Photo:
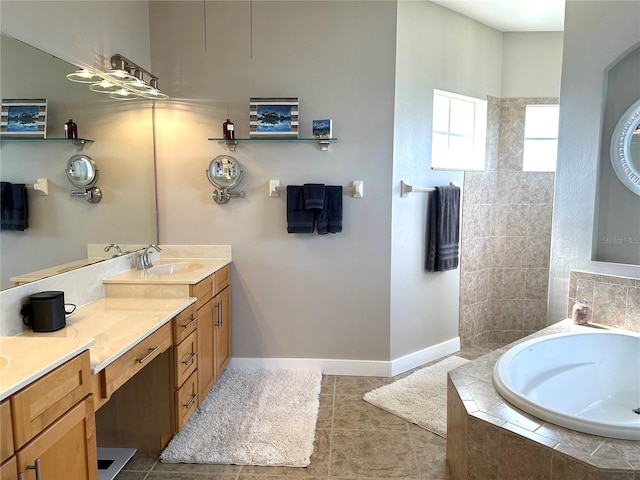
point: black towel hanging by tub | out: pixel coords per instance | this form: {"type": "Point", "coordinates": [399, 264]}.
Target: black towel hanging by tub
{"type": "Point", "coordinates": [443, 230]}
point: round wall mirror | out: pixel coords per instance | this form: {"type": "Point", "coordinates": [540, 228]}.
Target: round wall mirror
{"type": "Point", "coordinates": [225, 172]}
{"type": "Point", "coordinates": [625, 148]}
{"type": "Point", "coordinates": [82, 171]}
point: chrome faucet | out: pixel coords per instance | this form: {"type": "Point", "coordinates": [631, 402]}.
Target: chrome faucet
{"type": "Point", "coordinates": [144, 260]}
{"type": "Point", "coordinates": [116, 246]}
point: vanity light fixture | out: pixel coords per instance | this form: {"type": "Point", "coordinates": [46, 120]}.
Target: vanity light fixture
{"type": "Point", "coordinates": [126, 80]}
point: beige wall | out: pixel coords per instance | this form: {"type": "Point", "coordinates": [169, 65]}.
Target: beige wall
{"type": "Point", "coordinates": [531, 64]}
{"type": "Point", "coordinates": [306, 296]}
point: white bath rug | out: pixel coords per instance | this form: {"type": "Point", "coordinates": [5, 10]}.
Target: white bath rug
{"type": "Point", "coordinates": [420, 398]}
{"type": "Point", "coordinates": [252, 417]}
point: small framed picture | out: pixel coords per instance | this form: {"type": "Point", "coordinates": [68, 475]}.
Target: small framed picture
{"type": "Point", "coordinates": [24, 118]}
{"type": "Point", "coordinates": [322, 128]}
{"type": "Point", "coordinates": [273, 117]}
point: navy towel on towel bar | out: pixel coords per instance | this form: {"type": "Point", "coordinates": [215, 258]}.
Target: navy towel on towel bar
{"type": "Point", "coordinates": [330, 217]}
{"type": "Point", "coordinates": [313, 194]}
{"type": "Point", "coordinates": [443, 230]}
{"type": "Point", "coordinates": [299, 219]}
{"type": "Point", "coordinates": [13, 207]}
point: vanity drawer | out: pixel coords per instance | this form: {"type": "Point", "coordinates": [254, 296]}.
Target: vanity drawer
{"type": "Point", "coordinates": [222, 279]}
{"type": "Point", "coordinates": [44, 401]}
{"type": "Point", "coordinates": [184, 324]}
{"type": "Point", "coordinates": [138, 357]}
{"type": "Point", "coordinates": [203, 291]}
{"type": "Point", "coordinates": [186, 400]}
{"type": "Point", "coordinates": [6, 433]}
{"type": "Point", "coordinates": [186, 359]}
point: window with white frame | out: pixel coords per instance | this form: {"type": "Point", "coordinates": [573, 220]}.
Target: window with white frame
{"type": "Point", "coordinates": [459, 134]}
{"type": "Point", "coordinates": [540, 138]}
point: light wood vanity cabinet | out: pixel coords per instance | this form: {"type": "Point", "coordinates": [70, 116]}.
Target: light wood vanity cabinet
{"type": "Point", "coordinates": [51, 426]}
{"type": "Point", "coordinates": [214, 328]}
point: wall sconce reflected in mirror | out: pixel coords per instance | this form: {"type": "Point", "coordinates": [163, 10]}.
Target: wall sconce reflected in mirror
{"type": "Point", "coordinates": [83, 172]}
{"type": "Point", "coordinates": [125, 81]}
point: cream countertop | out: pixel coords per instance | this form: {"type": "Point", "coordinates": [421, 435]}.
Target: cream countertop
{"type": "Point", "coordinates": [23, 360]}
{"type": "Point", "coordinates": [48, 272]}
{"type": "Point", "coordinates": [198, 269]}
{"type": "Point", "coordinates": [116, 324]}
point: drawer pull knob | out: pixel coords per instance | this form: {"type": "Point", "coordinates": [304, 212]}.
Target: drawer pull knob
{"type": "Point", "coordinates": [190, 359]}
{"type": "Point", "coordinates": [193, 398]}
{"type": "Point", "coordinates": [36, 467]}
{"type": "Point", "coordinates": [151, 352]}
{"type": "Point", "coordinates": [190, 322]}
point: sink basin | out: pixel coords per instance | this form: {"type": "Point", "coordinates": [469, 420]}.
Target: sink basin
{"type": "Point", "coordinates": [4, 361]}
{"type": "Point", "coordinates": [174, 268]}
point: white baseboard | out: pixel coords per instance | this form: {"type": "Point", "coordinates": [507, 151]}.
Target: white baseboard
{"type": "Point", "coordinates": [426, 355]}
{"type": "Point", "coordinates": [364, 368]}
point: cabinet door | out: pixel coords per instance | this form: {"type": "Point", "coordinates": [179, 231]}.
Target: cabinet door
{"type": "Point", "coordinates": [204, 332]}
{"type": "Point", "coordinates": [9, 469]}
{"type": "Point", "coordinates": [6, 433]}
{"type": "Point", "coordinates": [222, 331]}
{"type": "Point", "coordinates": [66, 449]}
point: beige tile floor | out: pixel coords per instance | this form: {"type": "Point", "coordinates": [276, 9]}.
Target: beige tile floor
{"type": "Point", "coordinates": [354, 440]}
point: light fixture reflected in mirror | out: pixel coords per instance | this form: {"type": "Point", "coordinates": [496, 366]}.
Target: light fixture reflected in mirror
{"type": "Point", "coordinates": [124, 81]}
{"type": "Point", "coordinates": [104, 86]}
{"type": "Point", "coordinates": [84, 76]}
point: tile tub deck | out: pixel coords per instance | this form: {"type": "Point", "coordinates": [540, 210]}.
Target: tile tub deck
{"type": "Point", "coordinates": [490, 439]}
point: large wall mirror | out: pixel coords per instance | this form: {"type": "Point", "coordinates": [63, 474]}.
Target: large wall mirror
{"type": "Point", "coordinates": [61, 226]}
{"type": "Point", "coordinates": [617, 222]}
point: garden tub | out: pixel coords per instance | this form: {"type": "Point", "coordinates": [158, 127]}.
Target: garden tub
{"type": "Point", "coordinates": [589, 382]}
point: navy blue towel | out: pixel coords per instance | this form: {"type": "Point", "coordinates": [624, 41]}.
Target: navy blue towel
{"type": "Point", "coordinates": [13, 207]}
{"type": "Point", "coordinates": [330, 217]}
{"type": "Point", "coordinates": [313, 195]}
{"type": "Point", "coordinates": [299, 219]}
{"type": "Point", "coordinates": [443, 230]}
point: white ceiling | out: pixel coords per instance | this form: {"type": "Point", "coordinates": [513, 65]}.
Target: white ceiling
{"type": "Point", "coordinates": [512, 15]}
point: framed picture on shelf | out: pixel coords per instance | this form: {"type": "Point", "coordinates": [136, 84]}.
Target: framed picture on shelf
{"type": "Point", "coordinates": [322, 128]}
{"type": "Point", "coordinates": [273, 117]}
{"type": "Point", "coordinates": [24, 118]}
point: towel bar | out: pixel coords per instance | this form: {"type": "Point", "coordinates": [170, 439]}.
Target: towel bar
{"type": "Point", "coordinates": [406, 189]}
{"type": "Point", "coordinates": [41, 186]}
{"type": "Point", "coordinates": [356, 189]}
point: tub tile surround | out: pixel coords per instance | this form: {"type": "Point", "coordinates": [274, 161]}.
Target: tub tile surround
{"type": "Point", "coordinates": [615, 301]}
{"type": "Point", "coordinates": [490, 439]}
{"type": "Point", "coordinates": [506, 235]}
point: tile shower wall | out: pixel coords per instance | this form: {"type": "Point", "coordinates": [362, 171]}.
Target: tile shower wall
{"type": "Point", "coordinates": [615, 301]}
{"type": "Point", "coordinates": [506, 235]}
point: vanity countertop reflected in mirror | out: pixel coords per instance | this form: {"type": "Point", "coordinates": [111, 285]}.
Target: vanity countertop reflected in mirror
{"type": "Point", "coordinates": [61, 226]}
